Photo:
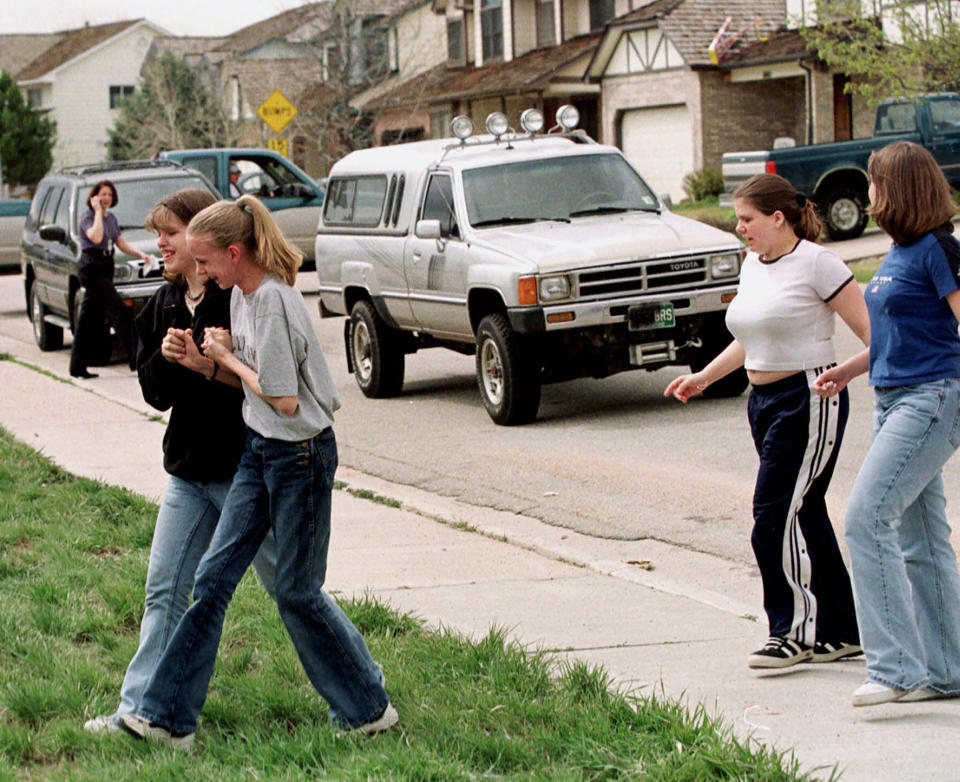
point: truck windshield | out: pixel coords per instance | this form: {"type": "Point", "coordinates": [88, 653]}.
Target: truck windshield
{"type": "Point", "coordinates": [554, 189]}
{"type": "Point", "coordinates": [135, 198]}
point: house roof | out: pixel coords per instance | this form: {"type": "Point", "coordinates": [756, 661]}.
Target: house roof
{"type": "Point", "coordinates": [531, 71]}
{"type": "Point", "coordinates": [315, 17]}
{"type": "Point", "coordinates": [70, 44]}
{"type": "Point", "coordinates": [19, 50]}
{"type": "Point", "coordinates": [691, 25]}
{"type": "Point", "coordinates": [780, 46]}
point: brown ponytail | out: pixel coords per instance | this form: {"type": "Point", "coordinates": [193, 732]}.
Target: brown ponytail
{"type": "Point", "coordinates": [769, 193]}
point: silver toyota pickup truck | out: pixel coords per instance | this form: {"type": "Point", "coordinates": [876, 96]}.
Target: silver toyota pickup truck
{"type": "Point", "coordinates": [544, 254]}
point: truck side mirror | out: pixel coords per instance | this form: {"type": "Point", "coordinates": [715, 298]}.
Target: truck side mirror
{"type": "Point", "coordinates": [53, 233]}
{"type": "Point", "coordinates": [428, 229]}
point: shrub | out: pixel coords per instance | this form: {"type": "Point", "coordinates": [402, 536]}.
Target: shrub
{"type": "Point", "coordinates": [703, 183]}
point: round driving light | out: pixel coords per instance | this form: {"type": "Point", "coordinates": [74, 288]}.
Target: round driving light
{"type": "Point", "coordinates": [568, 117]}
{"type": "Point", "coordinates": [462, 127]}
{"type": "Point", "coordinates": [532, 120]}
{"type": "Point", "coordinates": [497, 124]}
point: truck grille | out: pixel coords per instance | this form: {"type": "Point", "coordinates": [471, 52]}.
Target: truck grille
{"type": "Point", "coordinates": [643, 277]}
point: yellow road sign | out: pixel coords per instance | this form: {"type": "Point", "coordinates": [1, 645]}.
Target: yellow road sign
{"type": "Point", "coordinates": [277, 111]}
{"type": "Point", "coordinates": [278, 145]}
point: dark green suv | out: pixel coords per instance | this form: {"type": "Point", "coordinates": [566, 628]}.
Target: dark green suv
{"type": "Point", "coordinates": [50, 245]}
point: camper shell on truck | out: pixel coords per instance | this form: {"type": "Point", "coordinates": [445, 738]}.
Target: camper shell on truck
{"type": "Point", "coordinates": [545, 255]}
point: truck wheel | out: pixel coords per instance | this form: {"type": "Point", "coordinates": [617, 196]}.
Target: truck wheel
{"type": "Point", "coordinates": [46, 335]}
{"type": "Point", "coordinates": [844, 214]}
{"type": "Point", "coordinates": [507, 374]}
{"type": "Point", "coordinates": [378, 360]}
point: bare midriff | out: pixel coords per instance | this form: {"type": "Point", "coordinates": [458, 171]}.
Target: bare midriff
{"type": "Point", "coordinates": [759, 377]}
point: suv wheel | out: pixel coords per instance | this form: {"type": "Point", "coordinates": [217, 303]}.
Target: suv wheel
{"type": "Point", "coordinates": [507, 373]}
{"type": "Point", "coordinates": [375, 352]}
{"type": "Point", "coordinates": [46, 335]}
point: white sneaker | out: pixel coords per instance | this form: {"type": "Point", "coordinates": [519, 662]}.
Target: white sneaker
{"type": "Point", "coordinates": [385, 721]}
{"type": "Point", "coordinates": [872, 694]}
{"type": "Point", "coordinates": [102, 724]}
{"type": "Point", "coordinates": [926, 694]}
{"type": "Point", "coordinates": [143, 729]}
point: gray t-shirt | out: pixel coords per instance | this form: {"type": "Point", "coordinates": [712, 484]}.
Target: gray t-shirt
{"type": "Point", "coordinates": [273, 335]}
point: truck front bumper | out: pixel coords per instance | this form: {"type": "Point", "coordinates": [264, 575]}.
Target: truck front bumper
{"type": "Point", "coordinates": [580, 315]}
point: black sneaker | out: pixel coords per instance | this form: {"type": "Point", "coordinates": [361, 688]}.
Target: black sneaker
{"type": "Point", "coordinates": [828, 651]}
{"type": "Point", "coordinates": [780, 652]}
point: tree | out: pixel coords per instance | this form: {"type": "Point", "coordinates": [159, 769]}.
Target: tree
{"type": "Point", "coordinates": [171, 109]}
{"type": "Point", "coordinates": [26, 137]}
{"type": "Point", "coordinates": [912, 47]}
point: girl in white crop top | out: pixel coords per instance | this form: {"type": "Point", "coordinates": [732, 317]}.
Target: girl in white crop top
{"type": "Point", "coordinates": [782, 321]}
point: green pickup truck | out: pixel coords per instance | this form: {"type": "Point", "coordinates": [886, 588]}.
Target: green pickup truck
{"type": "Point", "coordinates": [835, 175]}
{"type": "Point", "coordinates": [291, 194]}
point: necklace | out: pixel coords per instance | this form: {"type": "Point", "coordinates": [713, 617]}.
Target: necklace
{"type": "Point", "coordinates": [196, 298]}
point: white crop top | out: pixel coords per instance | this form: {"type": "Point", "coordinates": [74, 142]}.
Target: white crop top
{"type": "Point", "coordinates": [780, 314]}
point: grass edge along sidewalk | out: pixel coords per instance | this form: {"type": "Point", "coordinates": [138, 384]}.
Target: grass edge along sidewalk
{"type": "Point", "coordinates": [73, 557]}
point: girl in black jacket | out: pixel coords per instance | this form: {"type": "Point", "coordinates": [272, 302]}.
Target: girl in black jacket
{"type": "Point", "coordinates": [202, 444]}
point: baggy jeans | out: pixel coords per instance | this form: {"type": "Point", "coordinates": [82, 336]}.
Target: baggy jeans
{"type": "Point", "coordinates": [905, 576]}
{"type": "Point", "coordinates": [185, 523]}
{"type": "Point", "coordinates": [284, 486]}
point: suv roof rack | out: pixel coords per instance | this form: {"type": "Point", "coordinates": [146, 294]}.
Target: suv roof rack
{"type": "Point", "coordinates": [117, 165]}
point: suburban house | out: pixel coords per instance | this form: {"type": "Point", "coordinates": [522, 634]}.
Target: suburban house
{"type": "Point", "coordinates": [79, 76]}
{"type": "Point", "coordinates": [683, 81]}
{"type": "Point", "coordinates": [501, 55]}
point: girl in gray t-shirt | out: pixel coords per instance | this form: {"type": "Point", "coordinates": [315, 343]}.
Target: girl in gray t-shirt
{"type": "Point", "coordinates": [284, 482]}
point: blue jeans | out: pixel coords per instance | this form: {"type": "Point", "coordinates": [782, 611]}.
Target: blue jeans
{"type": "Point", "coordinates": [286, 487]}
{"type": "Point", "coordinates": [905, 578]}
{"type": "Point", "coordinates": [185, 524]}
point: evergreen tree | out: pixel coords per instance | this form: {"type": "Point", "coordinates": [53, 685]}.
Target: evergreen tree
{"type": "Point", "coordinates": [26, 137]}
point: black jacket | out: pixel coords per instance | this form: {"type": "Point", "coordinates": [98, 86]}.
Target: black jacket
{"type": "Point", "coordinates": [206, 433]}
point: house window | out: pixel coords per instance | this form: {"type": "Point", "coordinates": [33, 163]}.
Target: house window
{"type": "Point", "coordinates": [546, 30]}
{"type": "Point", "coordinates": [455, 52]}
{"type": "Point", "coordinates": [119, 93]}
{"type": "Point", "coordinates": [491, 28]}
{"type": "Point", "coordinates": [440, 124]}
{"type": "Point", "coordinates": [601, 12]}
{"type": "Point", "coordinates": [331, 65]}
{"type": "Point", "coordinates": [34, 97]}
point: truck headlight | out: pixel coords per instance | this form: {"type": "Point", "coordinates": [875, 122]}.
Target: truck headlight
{"type": "Point", "coordinates": [726, 265]}
{"type": "Point", "coordinates": [554, 288]}
{"type": "Point", "coordinates": [124, 272]}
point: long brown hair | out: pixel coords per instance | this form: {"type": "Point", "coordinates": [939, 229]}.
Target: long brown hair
{"type": "Point", "coordinates": [248, 223]}
{"type": "Point", "coordinates": [769, 193]}
{"type": "Point", "coordinates": [180, 206]}
{"type": "Point", "coordinates": [911, 195]}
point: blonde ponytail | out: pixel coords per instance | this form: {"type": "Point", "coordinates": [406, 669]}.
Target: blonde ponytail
{"type": "Point", "coordinates": [248, 223]}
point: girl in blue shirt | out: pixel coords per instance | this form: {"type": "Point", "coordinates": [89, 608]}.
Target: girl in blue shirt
{"type": "Point", "coordinates": [906, 584]}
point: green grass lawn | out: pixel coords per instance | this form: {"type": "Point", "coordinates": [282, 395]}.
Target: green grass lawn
{"type": "Point", "coordinates": [73, 557]}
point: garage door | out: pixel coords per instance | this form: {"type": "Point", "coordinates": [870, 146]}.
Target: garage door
{"type": "Point", "coordinates": [659, 143]}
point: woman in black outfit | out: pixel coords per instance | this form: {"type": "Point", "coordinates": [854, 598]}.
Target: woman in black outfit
{"type": "Point", "coordinates": [99, 233]}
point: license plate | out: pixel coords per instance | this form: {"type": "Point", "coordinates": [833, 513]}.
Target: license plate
{"type": "Point", "coordinates": [643, 317]}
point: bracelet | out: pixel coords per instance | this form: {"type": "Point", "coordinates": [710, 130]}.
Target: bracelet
{"type": "Point", "coordinates": [213, 374]}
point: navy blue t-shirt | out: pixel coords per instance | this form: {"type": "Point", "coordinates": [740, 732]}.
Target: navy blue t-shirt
{"type": "Point", "coordinates": [913, 331]}
{"type": "Point", "coordinates": [111, 230]}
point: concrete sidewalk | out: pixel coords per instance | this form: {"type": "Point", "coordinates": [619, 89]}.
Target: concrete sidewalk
{"type": "Point", "coordinates": [655, 616]}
